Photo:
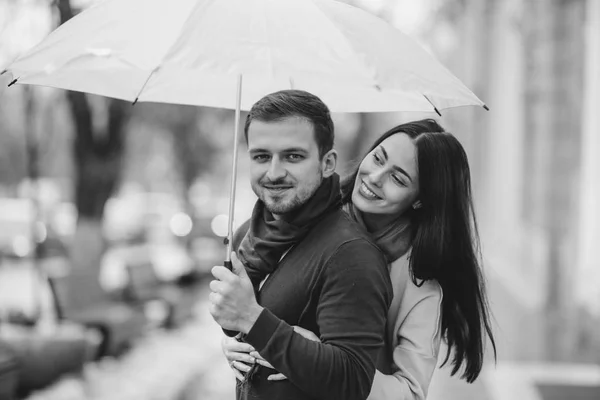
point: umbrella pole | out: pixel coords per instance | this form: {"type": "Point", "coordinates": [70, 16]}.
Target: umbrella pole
{"type": "Point", "coordinates": [233, 173]}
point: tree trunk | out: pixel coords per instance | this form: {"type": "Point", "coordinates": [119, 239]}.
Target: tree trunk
{"type": "Point", "coordinates": [553, 126]}
{"type": "Point", "coordinates": [98, 155]}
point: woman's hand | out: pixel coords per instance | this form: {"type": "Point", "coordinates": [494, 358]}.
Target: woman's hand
{"type": "Point", "coordinates": [238, 356]}
{"type": "Point", "coordinates": [261, 361]}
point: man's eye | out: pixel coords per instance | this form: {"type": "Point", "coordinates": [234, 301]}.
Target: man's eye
{"type": "Point", "coordinates": [294, 157]}
{"type": "Point", "coordinates": [260, 158]}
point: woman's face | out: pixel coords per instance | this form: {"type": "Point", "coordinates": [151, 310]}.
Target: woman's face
{"type": "Point", "coordinates": [388, 179]}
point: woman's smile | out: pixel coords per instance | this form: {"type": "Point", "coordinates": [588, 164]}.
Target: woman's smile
{"type": "Point", "coordinates": [367, 193]}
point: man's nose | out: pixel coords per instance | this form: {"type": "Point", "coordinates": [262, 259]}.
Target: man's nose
{"type": "Point", "coordinates": [276, 170]}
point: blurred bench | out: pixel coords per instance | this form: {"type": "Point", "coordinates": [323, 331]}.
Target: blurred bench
{"type": "Point", "coordinates": [8, 373]}
{"type": "Point", "coordinates": [119, 323]}
{"type": "Point", "coordinates": [144, 287]}
{"type": "Point", "coordinates": [44, 355]}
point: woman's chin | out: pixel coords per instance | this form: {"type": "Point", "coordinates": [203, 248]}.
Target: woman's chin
{"type": "Point", "coordinates": [360, 203]}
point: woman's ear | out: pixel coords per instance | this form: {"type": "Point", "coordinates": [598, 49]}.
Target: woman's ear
{"type": "Point", "coordinates": [329, 163]}
{"type": "Point", "coordinates": [417, 204]}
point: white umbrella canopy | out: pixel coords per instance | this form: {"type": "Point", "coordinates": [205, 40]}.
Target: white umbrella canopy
{"type": "Point", "coordinates": [194, 52]}
{"type": "Point", "coordinates": [231, 53]}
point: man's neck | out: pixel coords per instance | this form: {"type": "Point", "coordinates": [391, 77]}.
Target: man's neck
{"type": "Point", "coordinates": [276, 217]}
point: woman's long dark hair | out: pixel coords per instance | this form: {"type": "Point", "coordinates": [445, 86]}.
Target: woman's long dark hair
{"type": "Point", "coordinates": [445, 245]}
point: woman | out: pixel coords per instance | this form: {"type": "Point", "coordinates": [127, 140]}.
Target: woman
{"type": "Point", "coordinates": [412, 193]}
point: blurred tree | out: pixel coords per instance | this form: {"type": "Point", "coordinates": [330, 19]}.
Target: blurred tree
{"type": "Point", "coordinates": [364, 133]}
{"type": "Point", "coordinates": [12, 160]}
{"type": "Point", "coordinates": [556, 42]}
{"type": "Point", "coordinates": [193, 148]}
{"type": "Point", "coordinates": [170, 147]}
{"type": "Point", "coordinates": [98, 153]}
{"type": "Point", "coordinates": [549, 83]}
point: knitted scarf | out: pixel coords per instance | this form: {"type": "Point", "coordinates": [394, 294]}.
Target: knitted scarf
{"type": "Point", "coordinates": [394, 239]}
{"type": "Point", "coordinates": [268, 239]}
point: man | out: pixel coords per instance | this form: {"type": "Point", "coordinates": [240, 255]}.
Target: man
{"type": "Point", "coordinates": [304, 263]}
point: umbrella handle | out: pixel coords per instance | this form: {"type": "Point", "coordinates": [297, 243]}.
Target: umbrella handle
{"type": "Point", "coordinates": [229, 333]}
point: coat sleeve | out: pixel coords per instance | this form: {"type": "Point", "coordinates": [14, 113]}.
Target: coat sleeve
{"type": "Point", "coordinates": [416, 355]}
{"type": "Point", "coordinates": [351, 313]}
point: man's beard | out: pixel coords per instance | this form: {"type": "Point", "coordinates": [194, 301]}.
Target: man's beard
{"type": "Point", "coordinates": [286, 206]}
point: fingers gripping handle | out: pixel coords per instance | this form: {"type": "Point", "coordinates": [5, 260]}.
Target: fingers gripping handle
{"type": "Point", "coordinates": [229, 266]}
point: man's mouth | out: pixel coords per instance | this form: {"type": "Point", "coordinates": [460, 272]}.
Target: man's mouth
{"type": "Point", "coordinates": [277, 188]}
{"type": "Point", "coordinates": [367, 193]}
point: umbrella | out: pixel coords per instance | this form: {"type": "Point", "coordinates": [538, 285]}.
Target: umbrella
{"type": "Point", "coordinates": [230, 53]}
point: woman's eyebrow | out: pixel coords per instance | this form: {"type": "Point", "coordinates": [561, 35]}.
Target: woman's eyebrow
{"type": "Point", "coordinates": [397, 168]}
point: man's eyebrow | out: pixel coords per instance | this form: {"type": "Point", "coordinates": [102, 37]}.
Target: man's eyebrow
{"type": "Point", "coordinates": [397, 168]}
{"type": "Point", "coordinates": [289, 150]}
{"type": "Point", "coordinates": [295, 150]}
{"type": "Point", "coordinates": [257, 150]}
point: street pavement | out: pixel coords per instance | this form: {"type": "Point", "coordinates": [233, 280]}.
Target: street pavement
{"type": "Point", "coordinates": [517, 329]}
{"type": "Point", "coordinates": [188, 364]}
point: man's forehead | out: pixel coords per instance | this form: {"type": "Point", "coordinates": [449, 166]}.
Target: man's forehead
{"type": "Point", "coordinates": [279, 135]}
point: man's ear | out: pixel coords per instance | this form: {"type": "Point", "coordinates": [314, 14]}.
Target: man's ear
{"type": "Point", "coordinates": [329, 163]}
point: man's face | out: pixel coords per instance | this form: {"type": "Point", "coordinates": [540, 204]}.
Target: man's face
{"type": "Point", "coordinates": [285, 166]}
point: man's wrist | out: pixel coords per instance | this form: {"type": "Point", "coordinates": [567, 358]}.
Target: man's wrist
{"type": "Point", "coordinates": [251, 318]}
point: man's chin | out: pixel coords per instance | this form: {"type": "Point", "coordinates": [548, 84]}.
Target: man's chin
{"type": "Point", "coordinates": [280, 208]}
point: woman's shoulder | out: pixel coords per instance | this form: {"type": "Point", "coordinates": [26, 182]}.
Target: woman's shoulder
{"type": "Point", "coordinates": [426, 289]}
{"type": "Point", "coordinates": [414, 292]}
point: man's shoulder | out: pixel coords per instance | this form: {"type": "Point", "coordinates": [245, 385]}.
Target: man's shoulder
{"type": "Point", "coordinates": [342, 225]}
{"type": "Point", "coordinates": [339, 232]}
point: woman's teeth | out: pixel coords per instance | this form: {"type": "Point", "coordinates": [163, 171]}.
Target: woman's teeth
{"type": "Point", "coordinates": [366, 192]}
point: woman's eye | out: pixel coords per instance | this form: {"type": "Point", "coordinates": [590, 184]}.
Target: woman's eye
{"type": "Point", "coordinates": [377, 159]}
{"type": "Point", "coordinates": [398, 180]}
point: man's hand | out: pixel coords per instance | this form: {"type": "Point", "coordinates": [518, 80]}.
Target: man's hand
{"type": "Point", "coordinates": [261, 361]}
{"type": "Point", "coordinates": [232, 301]}
{"type": "Point", "coordinates": [238, 356]}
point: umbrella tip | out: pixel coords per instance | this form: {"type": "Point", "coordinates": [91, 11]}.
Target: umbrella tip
{"type": "Point", "coordinates": [486, 108]}
{"type": "Point", "coordinates": [3, 72]}
{"type": "Point", "coordinates": [433, 105]}
{"type": "Point", "coordinates": [135, 101]}
{"type": "Point", "coordinates": [13, 82]}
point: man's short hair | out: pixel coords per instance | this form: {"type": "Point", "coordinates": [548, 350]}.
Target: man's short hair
{"type": "Point", "coordinates": [295, 103]}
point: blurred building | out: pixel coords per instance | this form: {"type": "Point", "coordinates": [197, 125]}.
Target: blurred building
{"type": "Point", "coordinates": [535, 163]}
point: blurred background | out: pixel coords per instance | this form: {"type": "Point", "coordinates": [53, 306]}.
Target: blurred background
{"type": "Point", "coordinates": [111, 216]}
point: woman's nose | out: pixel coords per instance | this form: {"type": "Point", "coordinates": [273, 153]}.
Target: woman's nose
{"type": "Point", "coordinates": [376, 177]}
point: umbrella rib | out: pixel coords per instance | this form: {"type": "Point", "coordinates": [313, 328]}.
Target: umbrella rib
{"type": "Point", "coordinates": [433, 105]}
{"type": "Point", "coordinates": [185, 22]}
{"type": "Point", "coordinates": [326, 18]}
{"type": "Point", "coordinates": [144, 86]}
{"type": "Point", "coordinates": [169, 49]}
